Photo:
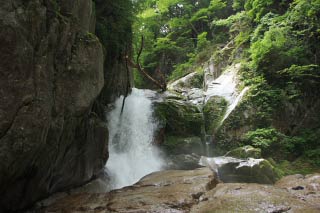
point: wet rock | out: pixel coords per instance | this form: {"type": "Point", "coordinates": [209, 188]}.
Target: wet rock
{"type": "Point", "coordinates": [167, 191]}
{"type": "Point", "coordinates": [184, 161]}
{"type": "Point", "coordinates": [51, 73]}
{"type": "Point", "coordinates": [237, 197]}
{"type": "Point", "coordinates": [192, 80]}
{"type": "Point", "coordinates": [213, 111]}
{"type": "Point", "coordinates": [244, 152]}
{"type": "Point", "coordinates": [306, 188]}
{"type": "Point", "coordinates": [183, 145]}
{"type": "Point", "coordinates": [233, 170]}
{"type": "Point", "coordinates": [196, 191]}
{"type": "Point", "coordinates": [179, 117]}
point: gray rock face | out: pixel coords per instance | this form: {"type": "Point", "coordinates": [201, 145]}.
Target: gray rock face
{"type": "Point", "coordinates": [51, 71]}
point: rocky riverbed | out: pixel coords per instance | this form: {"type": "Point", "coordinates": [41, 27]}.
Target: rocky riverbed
{"type": "Point", "coordinates": [198, 190]}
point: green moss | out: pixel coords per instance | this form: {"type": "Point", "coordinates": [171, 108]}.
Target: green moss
{"type": "Point", "coordinates": [180, 117]}
{"type": "Point", "coordinates": [245, 152]}
{"type": "Point", "coordinates": [261, 172]}
{"type": "Point", "coordinates": [214, 111]}
{"type": "Point", "coordinates": [197, 80]}
{"type": "Point", "coordinates": [182, 145]}
{"type": "Point", "coordinates": [299, 166]}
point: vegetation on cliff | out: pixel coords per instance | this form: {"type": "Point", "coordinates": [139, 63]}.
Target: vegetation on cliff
{"type": "Point", "coordinates": [277, 43]}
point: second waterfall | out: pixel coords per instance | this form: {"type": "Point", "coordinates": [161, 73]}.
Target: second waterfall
{"type": "Point", "coordinates": [131, 152]}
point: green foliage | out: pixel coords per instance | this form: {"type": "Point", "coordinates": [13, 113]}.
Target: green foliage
{"type": "Point", "coordinates": [183, 69]}
{"type": "Point", "coordinates": [113, 27]}
{"type": "Point", "coordinates": [299, 166]}
{"type": "Point", "coordinates": [270, 141]}
{"type": "Point", "coordinates": [276, 41]}
{"type": "Point", "coordinates": [213, 112]}
{"type": "Point", "coordinates": [202, 41]}
{"type": "Point", "coordinates": [264, 99]}
{"type": "Point", "coordinates": [280, 146]}
{"type": "Point", "coordinates": [263, 138]}
{"type": "Point", "coordinates": [313, 156]}
{"type": "Point", "coordinates": [176, 30]}
{"type": "Point", "coordinates": [258, 8]}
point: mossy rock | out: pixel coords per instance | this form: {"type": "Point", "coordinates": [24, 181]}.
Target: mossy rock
{"type": "Point", "coordinates": [214, 111]}
{"type": "Point", "coordinates": [249, 171]}
{"type": "Point", "coordinates": [196, 81]}
{"type": "Point", "coordinates": [179, 117]}
{"type": "Point", "coordinates": [183, 145]}
{"type": "Point", "coordinates": [245, 152]}
{"type": "Point", "coordinates": [235, 126]}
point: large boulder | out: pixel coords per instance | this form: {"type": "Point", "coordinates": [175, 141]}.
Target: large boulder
{"type": "Point", "coordinates": [244, 152]}
{"type": "Point", "coordinates": [183, 161]}
{"type": "Point", "coordinates": [51, 69]}
{"type": "Point", "coordinates": [233, 170]}
{"type": "Point", "coordinates": [180, 117]}
{"type": "Point", "coordinates": [183, 145]}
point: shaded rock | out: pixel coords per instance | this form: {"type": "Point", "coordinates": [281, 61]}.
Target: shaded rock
{"type": "Point", "coordinates": [51, 73]}
{"type": "Point", "coordinates": [233, 170]}
{"type": "Point", "coordinates": [237, 197]}
{"type": "Point", "coordinates": [166, 191]}
{"type": "Point", "coordinates": [244, 152]}
{"type": "Point", "coordinates": [183, 145]}
{"type": "Point", "coordinates": [190, 87]}
{"type": "Point", "coordinates": [179, 117]}
{"type": "Point", "coordinates": [184, 161]}
{"type": "Point", "coordinates": [192, 80]}
{"type": "Point", "coordinates": [213, 111]}
{"type": "Point", "coordinates": [195, 96]}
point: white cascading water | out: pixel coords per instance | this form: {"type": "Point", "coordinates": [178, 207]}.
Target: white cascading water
{"type": "Point", "coordinates": [131, 152]}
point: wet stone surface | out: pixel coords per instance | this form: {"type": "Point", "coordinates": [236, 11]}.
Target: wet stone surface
{"type": "Point", "coordinates": [198, 191]}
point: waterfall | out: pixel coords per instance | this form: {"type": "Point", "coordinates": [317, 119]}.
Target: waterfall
{"type": "Point", "coordinates": [131, 152]}
{"type": "Point", "coordinates": [234, 104]}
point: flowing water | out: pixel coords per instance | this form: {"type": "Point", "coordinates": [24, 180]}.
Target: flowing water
{"type": "Point", "coordinates": [131, 153]}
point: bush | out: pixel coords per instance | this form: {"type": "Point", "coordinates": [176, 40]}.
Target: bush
{"type": "Point", "coordinates": [270, 141]}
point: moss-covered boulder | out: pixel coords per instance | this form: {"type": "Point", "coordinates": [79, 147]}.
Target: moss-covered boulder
{"type": "Point", "coordinates": [232, 130]}
{"type": "Point", "coordinates": [183, 162]}
{"type": "Point", "coordinates": [183, 145]}
{"type": "Point", "coordinates": [244, 152]}
{"type": "Point", "coordinates": [249, 171]}
{"type": "Point", "coordinates": [192, 80]}
{"type": "Point", "coordinates": [234, 170]}
{"type": "Point", "coordinates": [213, 111]}
{"type": "Point", "coordinates": [180, 117]}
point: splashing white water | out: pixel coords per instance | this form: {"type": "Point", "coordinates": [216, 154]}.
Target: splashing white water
{"type": "Point", "coordinates": [132, 154]}
{"type": "Point", "coordinates": [235, 103]}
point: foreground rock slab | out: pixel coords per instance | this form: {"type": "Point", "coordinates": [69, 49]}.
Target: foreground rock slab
{"type": "Point", "coordinates": [166, 191]}
{"type": "Point", "coordinates": [241, 197]}
{"type": "Point", "coordinates": [198, 191]}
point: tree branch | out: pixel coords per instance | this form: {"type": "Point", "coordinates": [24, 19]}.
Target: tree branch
{"type": "Point", "coordinates": [163, 87]}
